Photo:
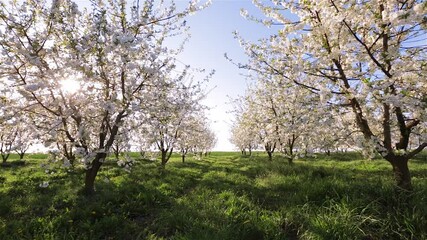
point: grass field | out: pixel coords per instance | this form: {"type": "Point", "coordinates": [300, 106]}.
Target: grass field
{"type": "Point", "coordinates": [223, 196]}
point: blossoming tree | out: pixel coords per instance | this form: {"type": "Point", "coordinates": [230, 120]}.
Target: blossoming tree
{"type": "Point", "coordinates": [171, 111]}
{"type": "Point", "coordinates": [194, 135]}
{"type": "Point", "coordinates": [283, 118]}
{"type": "Point", "coordinates": [367, 56]}
{"type": "Point", "coordinates": [83, 72]}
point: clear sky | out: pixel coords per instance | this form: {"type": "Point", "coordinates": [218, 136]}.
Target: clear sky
{"type": "Point", "coordinates": [211, 37]}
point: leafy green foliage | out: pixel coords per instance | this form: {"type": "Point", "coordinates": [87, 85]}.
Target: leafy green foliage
{"type": "Point", "coordinates": [222, 196]}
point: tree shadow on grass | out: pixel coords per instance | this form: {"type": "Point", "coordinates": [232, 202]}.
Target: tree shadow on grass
{"type": "Point", "coordinates": [241, 199]}
{"type": "Point", "coordinates": [208, 214]}
{"type": "Point", "coordinates": [59, 211]}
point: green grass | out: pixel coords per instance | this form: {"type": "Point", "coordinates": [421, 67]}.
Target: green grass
{"type": "Point", "coordinates": [223, 196]}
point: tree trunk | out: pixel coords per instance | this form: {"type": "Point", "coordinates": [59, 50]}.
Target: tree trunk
{"type": "Point", "coordinates": [291, 150]}
{"type": "Point", "coordinates": [21, 155]}
{"type": "Point", "coordinates": [183, 158]}
{"type": "Point", "coordinates": [250, 152]}
{"type": "Point", "coordinates": [89, 188]}
{"type": "Point", "coordinates": [270, 156]}
{"type": "Point", "coordinates": [5, 157]}
{"type": "Point", "coordinates": [401, 172]}
{"type": "Point", "coordinates": [72, 160]}
{"type": "Point", "coordinates": [164, 160]}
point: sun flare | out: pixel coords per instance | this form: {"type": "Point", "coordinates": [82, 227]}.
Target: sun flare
{"type": "Point", "coordinates": [70, 86]}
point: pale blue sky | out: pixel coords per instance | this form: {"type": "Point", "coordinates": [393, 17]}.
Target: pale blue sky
{"type": "Point", "coordinates": [211, 37]}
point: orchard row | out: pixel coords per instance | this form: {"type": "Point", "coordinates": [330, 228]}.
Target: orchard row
{"type": "Point", "coordinates": [90, 82]}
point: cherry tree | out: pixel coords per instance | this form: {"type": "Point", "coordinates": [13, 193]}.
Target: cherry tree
{"type": "Point", "coordinates": [83, 72]}
{"type": "Point", "coordinates": [244, 137]}
{"type": "Point", "coordinates": [244, 132]}
{"type": "Point", "coordinates": [252, 115]}
{"type": "Point", "coordinates": [186, 140]}
{"type": "Point", "coordinates": [7, 140]}
{"type": "Point", "coordinates": [25, 136]}
{"type": "Point", "coordinates": [16, 134]}
{"type": "Point", "coordinates": [194, 132]}
{"type": "Point", "coordinates": [295, 114]}
{"type": "Point", "coordinates": [367, 56]}
{"type": "Point", "coordinates": [282, 117]}
{"type": "Point", "coordinates": [7, 122]}
{"type": "Point", "coordinates": [206, 141]}
{"type": "Point", "coordinates": [121, 144]}
{"type": "Point", "coordinates": [170, 108]}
